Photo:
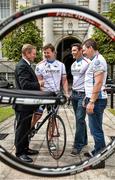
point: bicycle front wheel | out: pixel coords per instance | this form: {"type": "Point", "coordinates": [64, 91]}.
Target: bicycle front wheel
{"type": "Point", "coordinates": [56, 136]}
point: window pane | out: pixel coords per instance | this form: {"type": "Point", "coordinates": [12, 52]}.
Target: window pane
{"type": "Point", "coordinates": [106, 5]}
{"type": "Point", "coordinates": [69, 1]}
{"type": "Point", "coordinates": [4, 8]}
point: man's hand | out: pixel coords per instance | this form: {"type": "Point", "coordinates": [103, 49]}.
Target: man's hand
{"type": "Point", "coordinates": [41, 82]}
{"type": "Point", "coordinates": [67, 95]}
{"type": "Point", "coordinates": [90, 108]}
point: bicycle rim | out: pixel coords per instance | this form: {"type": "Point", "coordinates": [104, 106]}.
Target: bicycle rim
{"type": "Point", "coordinates": [56, 137]}
{"type": "Point", "coordinates": [57, 10]}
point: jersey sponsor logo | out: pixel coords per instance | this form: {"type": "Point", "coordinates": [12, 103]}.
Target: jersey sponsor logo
{"type": "Point", "coordinates": [76, 68]}
{"type": "Point", "coordinates": [52, 71]}
{"type": "Point", "coordinates": [37, 68]}
{"type": "Point", "coordinates": [97, 62]}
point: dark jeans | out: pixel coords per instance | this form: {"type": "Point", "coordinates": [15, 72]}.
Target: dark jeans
{"type": "Point", "coordinates": [80, 139]}
{"type": "Point", "coordinates": [23, 124]}
{"type": "Point", "coordinates": [95, 124]}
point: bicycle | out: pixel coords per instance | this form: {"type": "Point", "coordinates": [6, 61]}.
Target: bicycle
{"type": "Point", "coordinates": [55, 132]}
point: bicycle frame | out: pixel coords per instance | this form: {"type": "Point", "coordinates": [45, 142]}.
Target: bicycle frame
{"type": "Point", "coordinates": [52, 112]}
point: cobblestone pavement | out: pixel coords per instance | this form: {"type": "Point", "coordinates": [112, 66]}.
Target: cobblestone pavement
{"type": "Point", "coordinates": [7, 173]}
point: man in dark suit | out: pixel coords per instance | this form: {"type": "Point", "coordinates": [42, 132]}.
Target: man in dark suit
{"type": "Point", "coordinates": [26, 80]}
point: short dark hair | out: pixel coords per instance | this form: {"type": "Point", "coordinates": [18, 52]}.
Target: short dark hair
{"type": "Point", "coordinates": [90, 42]}
{"type": "Point", "coordinates": [49, 46]}
{"type": "Point", "coordinates": [78, 45]}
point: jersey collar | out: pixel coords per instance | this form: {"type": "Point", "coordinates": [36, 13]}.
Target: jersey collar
{"type": "Point", "coordinates": [78, 60]}
{"type": "Point", "coordinates": [96, 55]}
{"type": "Point", "coordinates": [50, 61]}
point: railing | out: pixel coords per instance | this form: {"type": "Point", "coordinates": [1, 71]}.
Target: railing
{"type": "Point", "coordinates": [111, 92]}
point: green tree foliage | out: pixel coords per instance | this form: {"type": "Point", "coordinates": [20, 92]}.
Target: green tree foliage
{"type": "Point", "coordinates": [26, 33]}
{"type": "Point", "coordinates": [106, 45]}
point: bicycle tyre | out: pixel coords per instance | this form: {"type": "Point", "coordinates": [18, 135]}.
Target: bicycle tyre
{"type": "Point", "coordinates": [58, 152]}
{"type": "Point", "coordinates": [56, 10]}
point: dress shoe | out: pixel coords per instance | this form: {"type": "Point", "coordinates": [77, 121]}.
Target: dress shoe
{"type": "Point", "coordinates": [88, 154]}
{"type": "Point", "coordinates": [31, 152]}
{"type": "Point", "coordinates": [25, 158]}
{"type": "Point", "coordinates": [52, 146]}
{"type": "Point", "coordinates": [75, 152]}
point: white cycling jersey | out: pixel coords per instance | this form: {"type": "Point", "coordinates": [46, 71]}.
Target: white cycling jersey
{"type": "Point", "coordinates": [97, 64]}
{"type": "Point", "coordinates": [52, 73]}
{"type": "Point", "coordinates": [78, 70]}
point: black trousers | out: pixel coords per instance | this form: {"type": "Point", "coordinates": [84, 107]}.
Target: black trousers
{"type": "Point", "coordinates": [23, 125]}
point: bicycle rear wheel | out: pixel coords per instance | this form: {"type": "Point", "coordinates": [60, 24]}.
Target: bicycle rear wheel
{"type": "Point", "coordinates": [56, 136]}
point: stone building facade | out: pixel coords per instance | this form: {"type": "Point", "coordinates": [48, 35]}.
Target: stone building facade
{"type": "Point", "coordinates": [61, 32]}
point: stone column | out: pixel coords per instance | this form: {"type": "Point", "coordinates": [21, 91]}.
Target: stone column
{"type": "Point", "coordinates": [76, 2]}
{"type": "Point", "coordinates": [12, 6]}
{"type": "Point", "coordinates": [48, 36]}
{"type": "Point", "coordinates": [0, 50]}
{"type": "Point", "coordinates": [93, 5]}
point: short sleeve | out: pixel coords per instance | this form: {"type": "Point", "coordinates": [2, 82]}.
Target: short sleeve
{"type": "Point", "coordinates": [38, 71]}
{"type": "Point", "coordinates": [63, 69]}
{"type": "Point", "coordinates": [98, 66]}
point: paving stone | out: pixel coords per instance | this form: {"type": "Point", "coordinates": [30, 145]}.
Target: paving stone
{"type": "Point", "coordinates": [39, 142]}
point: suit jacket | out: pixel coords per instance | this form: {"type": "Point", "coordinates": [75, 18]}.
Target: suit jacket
{"type": "Point", "coordinates": [25, 79]}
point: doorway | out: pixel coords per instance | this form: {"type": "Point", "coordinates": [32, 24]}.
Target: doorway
{"type": "Point", "coordinates": [64, 54]}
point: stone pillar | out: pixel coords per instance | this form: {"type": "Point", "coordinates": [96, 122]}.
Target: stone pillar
{"type": "Point", "coordinates": [0, 50]}
{"type": "Point", "coordinates": [12, 6]}
{"type": "Point", "coordinates": [93, 5]}
{"type": "Point", "coordinates": [76, 2]}
{"type": "Point", "coordinates": [48, 36]}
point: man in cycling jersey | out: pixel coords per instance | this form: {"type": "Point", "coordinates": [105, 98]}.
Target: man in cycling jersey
{"type": "Point", "coordinates": [51, 74]}
{"type": "Point", "coordinates": [78, 70]}
{"type": "Point", "coordinates": [96, 96]}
